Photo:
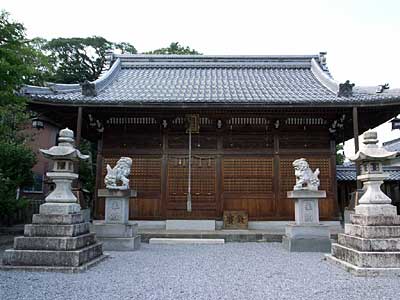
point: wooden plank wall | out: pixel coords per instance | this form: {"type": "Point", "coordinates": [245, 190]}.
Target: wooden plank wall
{"type": "Point", "coordinates": [239, 168]}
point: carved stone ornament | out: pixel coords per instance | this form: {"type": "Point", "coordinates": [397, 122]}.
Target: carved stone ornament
{"type": "Point", "coordinates": [88, 89]}
{"type": "Point", "coordinates": [346, 89]}
{"type": "Point", "coordinates": [306, 179]}
{"type": "Point", "coordinates": [119, 173]}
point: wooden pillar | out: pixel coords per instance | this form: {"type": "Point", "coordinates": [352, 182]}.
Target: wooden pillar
{"type": "Point", "coordinates": [99, 169]}
{"type": "Point", "coordinates": [336, 208]}
{"type": "Point", "coordinates": [356, 142]}
{"type": "Point", "coordinates": [79, 127]}
{"type": "Point", "coordinates": [220, 150]}
{"type": "Point", "coordinates": [164, 172]}
{"type": "Point", "coordinates": [276, 174]}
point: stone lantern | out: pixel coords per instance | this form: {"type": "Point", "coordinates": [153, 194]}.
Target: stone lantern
{"type": "Point", "coordinates": [62, 200]}
{"type": "Point", "coordinates": [370, 244]}
{"type": "Point", "coordinates": [371, 158]}
{"type": "Point", "coordinates": [58, 239]}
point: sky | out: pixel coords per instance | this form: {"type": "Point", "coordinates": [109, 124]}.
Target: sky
{"type": "Point", "coordinates": [361, 37]}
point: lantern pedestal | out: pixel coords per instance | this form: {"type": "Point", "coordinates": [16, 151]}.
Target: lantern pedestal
{"type": "Point", "coordinates": [61, 200]}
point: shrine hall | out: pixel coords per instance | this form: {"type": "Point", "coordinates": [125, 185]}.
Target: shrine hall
{"type": "Point", "coordinates": [213, 134]}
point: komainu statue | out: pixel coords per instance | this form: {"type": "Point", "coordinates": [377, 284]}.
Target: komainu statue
{"type": "Point", "coordinates": [119, 173]}
{"type": "Point", "coordinates": [305, 178]}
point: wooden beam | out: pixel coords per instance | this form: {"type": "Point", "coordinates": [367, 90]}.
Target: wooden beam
{"type": "Point", "coordinates": [79, 127]}
{"type": "Point", "coordinates": [356, 142]}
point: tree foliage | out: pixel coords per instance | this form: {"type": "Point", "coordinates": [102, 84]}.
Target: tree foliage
{"type": "Point", "coordinates": [78, 59]}
{"type": "Point", "coordinates": [340, 154]}
{"type": "Point", "coordinates": [20, 63]}
{"type": "Point", "coordinates": [174, 48]}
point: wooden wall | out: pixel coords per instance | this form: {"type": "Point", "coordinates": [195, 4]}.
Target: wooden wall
{"type": "Point", "coordinates": [244, 165]}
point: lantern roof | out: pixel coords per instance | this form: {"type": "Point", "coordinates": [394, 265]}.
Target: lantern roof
{"type": "Point", "coordinates": [371, 150]}
{"type": "Point", "coordinates": [65, 149]}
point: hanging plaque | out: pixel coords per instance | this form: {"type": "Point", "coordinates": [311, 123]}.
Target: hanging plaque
{"type": "Point", "coordinates": [192, 122]}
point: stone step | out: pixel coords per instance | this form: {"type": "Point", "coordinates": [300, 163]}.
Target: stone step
{"type": "Point", "coordinates": [372, 232]}
{"type": "Point", "coordinates": [54, 243]}
{"type": "Point", "coordinates": [57, 219]}
{"type": "Point", "coordinates": [171, 241]}
{"type": "Point", "coordinates": [52, 258]}
{"type": "Point", "coordinates": [375, 220]}
{"type": "Point", "coordinates": [366, 259]}
{"type": "Point", "coordinates": [362, 244]}
{"type": "Point", "coordinates": [56, 230]}
{"type": "Point", "coordinates": [236, 236]}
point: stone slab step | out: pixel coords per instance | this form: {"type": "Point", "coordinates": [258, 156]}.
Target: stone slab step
{"type": "Point", "coordinates": [190, 225]}
{"type": "Point", "coordinates": [121, 244]}
{"type": "Point", "coordinates": [54, 243]}
{"type": "Point", "coordinates": [57, 219]}
{"type": "Point", "coordinates": [375, 220]}
{"type": "Point", "coordinates": [371, 232]}
{"type": "Point", "coordinates": [362, 244]}
{"type": "Point", "coordinates": [366, 259]}
{"type": "Point", "coordinates": [172, 241]}
{"type": "Point", "coordinates": [49, 258]}
{"type": "Point", "coordinates": [56, 230]}
{"type": "Point", "coordinates": [237, 236]}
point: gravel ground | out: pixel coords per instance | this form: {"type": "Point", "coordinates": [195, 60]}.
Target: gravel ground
{"type": "Point", "coordinates": [231, 271]}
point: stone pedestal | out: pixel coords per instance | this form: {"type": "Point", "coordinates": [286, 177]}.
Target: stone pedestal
{"type": "Point", "coordinates": [370, 246]}
{"type": "Point", "coordinates": [54, 242]}
{"type": "Point", "coordinates": [306, 234]}
{"type": "Point", "coordinates": [115, 232]}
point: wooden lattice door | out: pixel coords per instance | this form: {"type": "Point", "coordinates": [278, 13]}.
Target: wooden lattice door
{"type": "Point", "coordinates": [203, 181]}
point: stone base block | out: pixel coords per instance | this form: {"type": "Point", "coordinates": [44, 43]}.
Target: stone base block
{"type": "Point", "coordinates": [366, 259]}
{"type": "Point", "coordinates": [115, 230]}
{"type": "Point", "coordinates": [205, 225]}
{"type": "Point", "coordinates": [121, 244]}
{"type": "Point", "coordinates": [50, 230]}
{"type": "Point", "coordinates": [79, 269]}
{"type": "Point", "coordinates": [54, 243]}
{"type": "Point", "coordinates": [52, 258]}
{"type": "Point", "coordinates": [306, 244]}
{"type": "Point", "coordinates": [178, 241]}
{"type": "Point", "coordinates": [372, 232]}
{"type": "Point", "coordinates": [312, 231]}
{"type": "Point", "coordinates": [57, 219]}
{"type": "Point", "coordinates": [376, 209]}
{"type": "Point", "coordinates": [360, 271]}
{"type": "Point", "coordinates": [361, 244]}
{"type": "Point", "coordinates": [375, 220]}
{"type": "Point", "coordinates": [59, 208]}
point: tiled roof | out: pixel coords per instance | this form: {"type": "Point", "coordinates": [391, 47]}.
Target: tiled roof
{"type": "Point", "coordinates": [393, 145]}
{"type": "Point", "coordinates": [348, 173]}
{"type": "Point", "coordinates": [167, 79]}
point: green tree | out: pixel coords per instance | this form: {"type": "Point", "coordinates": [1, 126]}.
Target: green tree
{"type": "Point", "coordinates": [20, 63]}
{"type": "Point", "coordinates": [78, 59]}
{"type": "Point", "coordinates": [339, 154]}
{"type": "Point", "coordinates": [174, 48]}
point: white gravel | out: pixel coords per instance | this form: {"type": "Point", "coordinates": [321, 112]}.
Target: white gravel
{"type": "Point", "coordinates": [231, 271]}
